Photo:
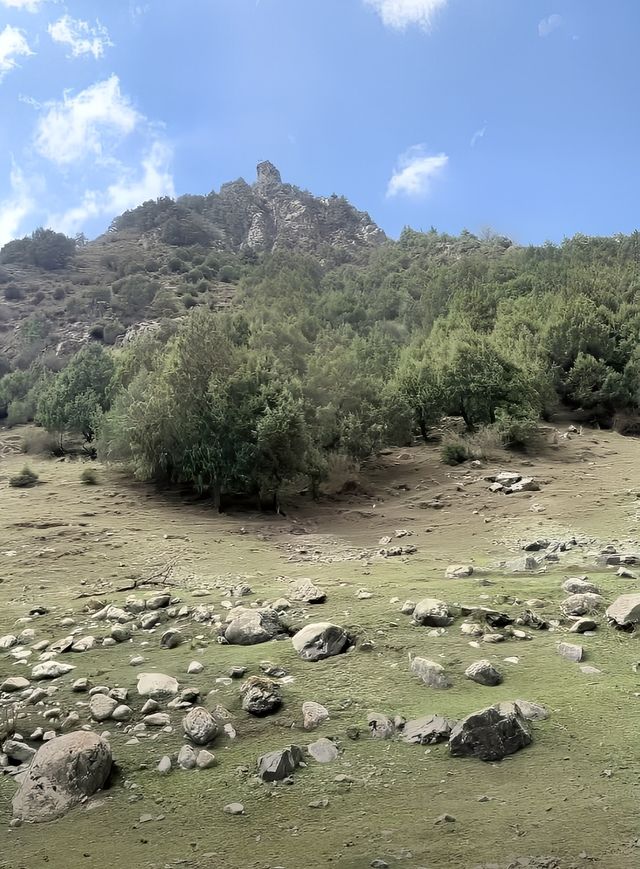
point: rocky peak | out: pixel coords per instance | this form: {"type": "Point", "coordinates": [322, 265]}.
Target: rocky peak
{"type": "Point", "coordinates": [268, 177]}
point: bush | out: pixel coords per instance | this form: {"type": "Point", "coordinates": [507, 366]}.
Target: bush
{"type": "Point", "coordinates": [455, 451]}
{"type": "Point", "coordinates": [39, 442]}
{"type": "Point", "coordinates": [13, 293]}
{"type": "Point", "coordinates": [59, 293]}
{"type": "Point", "coordinates": [24, 479]}
{"type": "Point", "coordinates": [89, 477]}
{"type": "Point", "coordinates": [519, 433]}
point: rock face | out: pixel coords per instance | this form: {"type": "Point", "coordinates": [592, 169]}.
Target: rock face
{"type": "Point", "coordinates": [200, 726]}
{"type": "Point", "coordinates": [489, 735]}
{"type": "Point", "coordinates": [432, 674]}
{"type": "Point", "coordinates": [63, 772]}
{"type": "Point", "coordinates": [320, 640]}
{"type": "Point", "coordinates": [624, 612]}
{"type": "Point", "coordinates": [432, 612]}
{"type": "Point", "coordinates": [277, 765]}
{"type": "Point", "coordinates": [251, 627]}
{"type": "Point", "coordinates": [271, 215]}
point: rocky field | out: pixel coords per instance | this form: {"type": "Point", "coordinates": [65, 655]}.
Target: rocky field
{"type": "Point", "coordinates": [437, 669]}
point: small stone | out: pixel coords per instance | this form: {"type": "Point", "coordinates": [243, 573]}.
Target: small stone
{"type": "Point", "coordinates": [570, 651]}
{"type": "Point", "coordinates": [431, 673]}
{"type": "Point", "coordinates": [194, 668]}
{"type": "Point", "coordinates": [14, 683]}
{"type": "Point", "coordinates": [313, 714]}
{"type": "Point", "coordinates": [323, 750]}
{"type": "Point", "coordinates": [102, 707]}
{"type": "Point", "coordinates": [445, 819]}
{"type": "Point", "coordinates": [200, 726]}
{"type": "Point", "coordinates": [122, 713]}
{"type": "Point", "coordinates": [484, 673]}
{"type": "Point", "coordinates": [164, 767]}
{"type": "Point", "coordinates": [171, 639]}
{"type": "Point", "coordinates": [186, 757]}
{"type": "Point", "coordinates": [234, 809]}
{"type": "Point", "coordinates": [157, 719]}
{"type": "Point", "coordinates": [205, 759]}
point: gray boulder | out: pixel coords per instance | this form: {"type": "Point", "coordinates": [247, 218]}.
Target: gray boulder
{"type": "Point", "coordinates": [65, 771]}
{"type": "Point", "coordinates": [489, 735]}
{"type": "Point", "coordinates": [260, 696]}
{"type": "Point", "coordinates": [323, 750]}
{"type": "Point", "coordinates": [524, 708]}
{"type": "Point", "coordinates": [200, 726]}
{"type": "Point", "coordinates": [624, 612]}
{"type": "Point", "coordinates": [250, 627]}
{"type": "Point", "coordinates": [18, 751]}
{"type": "Point", "coordinates": [102, 707]}
{"type": "Point", "coordinates": [580, 585]}
{"type": "Point", "coordinates": [51, 670]}
{"type": "Point", "coordinates": [484, 673]}
{"type": "Point", "coordinates": [320, 640]}
{"type": "Point", "coordinates": [430, 673]}
{"type": "Point", "coordinates": [582, 604]}
{"type": "Point", "coordinates": [313, 714]}
{"type": "Point", "coordinates": [277, 765]}
{"type": "Point", "coordinates": [428, 730]}
{"type": "Point", "coordinates": [171, 639]}
{"type": "Point", "coordinates": [570, 651]}
{"type": "Point", "coordinates": [305, 591]}
{"type": "Point", "coordinates": [432, 612]}
{"type": "Point", "coordinates": [157, 686]}
{"type": "Point", "coordinates": [380, 726]}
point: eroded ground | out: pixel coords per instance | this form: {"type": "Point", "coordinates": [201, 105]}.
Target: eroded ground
{"type": "Point", "coordinates": [572, 795]}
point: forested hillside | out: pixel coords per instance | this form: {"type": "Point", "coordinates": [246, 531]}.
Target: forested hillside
{"type": "Point", "coordinates": [259, 365]}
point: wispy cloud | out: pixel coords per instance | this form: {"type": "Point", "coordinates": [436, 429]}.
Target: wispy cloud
{"type": "Point", "coordinates": [548, 25]}
{"type": "Point", "coordinates": [400, 14]}
{"type": "Point", "coordinates": [80, 36]}
{"type": "Point", "coordinates": [479, 134]}
{"type": "Point", "coordinates": [27, 5]}
{"type": "Point", "coordinates": [138, 10]}
{"type": "Point", "coordinates": [150, 180]}
{"type": "Point", "coordinates": [414, 172]}
{"type": "Point", "coordinates": [16, 207]}
{"type": "Point", "coordinates": [80, 126]}
{"type": "Point", "coordinates": [13, 44]}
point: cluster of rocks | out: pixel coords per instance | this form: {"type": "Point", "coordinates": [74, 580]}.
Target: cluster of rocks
{"type": "Point", "coordinates": [510, 483]}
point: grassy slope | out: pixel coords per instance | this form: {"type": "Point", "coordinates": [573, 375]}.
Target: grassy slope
{"type": "Point", "coordinates": [550, 799]}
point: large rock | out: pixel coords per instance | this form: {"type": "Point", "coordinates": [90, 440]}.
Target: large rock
{"type": "Point", "coordinates": [260, 696]}
{"type": "Point", "coordinates": [489, 735]}
{"type": "Point", "coordinates": [158, 686]}
{"type": "Point", "coordinates": [64, 771]}
{"type": "Point", "coordinates": [249, 627]}
{"type": "Point", "coordinates": [313, 714]}
{"type": "Point", "coordinates": [305, 591]}
{"type": "Point", "coordinates": [320, 640]}
{"type": "Point", "coordinates": [570, 651]}
{"type": "Point", "coordinates": [427, 730]}
{"type": "Point", "coordinates": [484, 673]}
{"type": "Point", "coordinates": [200, 726]}
{"type": "Point", "coordinates": [432, 612]}
{"type": "Point", "coordinates": [277, 765]}
{"type": "Point", "coordinates": [50, 670]}
{"type": "Point", "coordinates": [580, 585]}
{"type": "Point", "coordinates": [102, 707]}
{"type": "Point", "coordinates": [430, 673]}
{"type": "Point", "coordinates": [323, 750]}
{"type": "Point", "coordinates": [624, 612]}
{"type": "Point", "coordinates": [524, 708]}
{"type": "Point", "coordinates": [582, 604]}
{"type": "Point", "coordinates": [14, 683]}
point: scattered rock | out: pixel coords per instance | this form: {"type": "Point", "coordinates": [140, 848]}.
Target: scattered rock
{"type": "Point", "coordinates": [457, 571]}
{"type": "Point", "coordinates": [102, 707]}
{"type": "Point", "coordinates": [570, 651]}
{"type": "Point", "coordinates": [430, 673]}
{"type": "Point", "coordinates": [14, 683]}
{"type": "Point", "coordinates": [200, 726]}
{"type": "Point", "coordinates": [380, 726]}
{"type": "Point", "coordinates": [432, 612]}
{"type": "Point", "coordinates": [320, 640]}
{"type": "Point", "coordinates": [323, 750]}
{"type": "Point", "coordinates": [63, 773]}
{"type": "Point", "coordinates": [313, 714]}
{"type": "Point", "coordinates": [484, 673]}
{"type": "Point", "coordinates": [489, 735]}
{"type": "Point", "coordinates": [582, 604]}
{"type": "Point", "coordinates": [427, 730]}
{"type": "Point", "coordinates": [582, 625]}
{"type": "Point", "coordinates": [250, 627]}
{"type": "Point", "coordinates": [580, 585]}
{"type": "Point", "coordinates": [260, 696]}
{"type": "Point", "coordinates": [277, 765]}
{"type": "Point", "coordinates": [187, 757]}
{"type": "Point", "coordinates": [624, 612]}
{"type": "Point", "coordinates": [164, 766]}
{"type": "Point", "coordinates": [171, 639]}
{"type": "Point", "coordinates": [205, 759]}
{"type": "Point", "coordinates": [50, 670]}
{"type": "Point", "coordinates": [158, 686]}
{"type": "Point", "coordinates": [305, 591]}
{"type": "Point", "coordinates": [234, 809]}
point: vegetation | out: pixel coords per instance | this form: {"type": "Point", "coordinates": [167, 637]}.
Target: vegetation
{"type": "Point", "coordinates": [89, 477]}
{"type": "Point", "coordinates": [25, 479]}
{"type": "Point", "coordinates": [44, 248]}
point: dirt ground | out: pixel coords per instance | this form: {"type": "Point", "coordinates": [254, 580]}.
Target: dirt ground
{"type": "Point", "coordinates": [569, 800]}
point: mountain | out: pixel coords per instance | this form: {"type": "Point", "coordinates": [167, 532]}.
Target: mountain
{"type": "Point", "coordinates": [164, 257]}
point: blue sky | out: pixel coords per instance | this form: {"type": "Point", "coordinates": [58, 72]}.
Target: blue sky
{"type": "Point", "coordinates": [519, 115]}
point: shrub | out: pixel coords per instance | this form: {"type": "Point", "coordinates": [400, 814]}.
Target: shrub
{"type": "Point", "coordinates": [24, 479]}
{"type": "Point", "coordinates": [96, 333]}
{"type": "Point", "coordinates": [89, 477]}
{"type": "Point", "coordinates": [519, 433]}
{"type": "Point", "coordinates": [59, 293]}
{"type": "Point", "coordinates": [13, 293]}
{"type": "Point", "coordinates": [38, 296]}
{"type": "Point", "coordinates": [39, 442]}
{"type": "Point", "coordinates": [454, 451]}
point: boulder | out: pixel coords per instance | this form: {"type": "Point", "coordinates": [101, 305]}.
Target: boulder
{"type": "Point", "coordinates": [526, 484]}
{"type": "Point", "coordinates": [430, 673]}
{"type": "Point", "coordinates": [200, 726]}
{"type": "Point", "coordinates": [489, 735]}
{"type": "Point", "coordinates": [432, 612]}
{"type": "Point", "coordinates": [456, 571]}
{"type": "Point", "coordinates": [570, 651]}
{"type": "Point", "coordinates": [579, 585]}
{"type": "Point", "coordinates": [582, 625]}
{"type": "Point", "coordinates": [8, 642]}
{"type": "Point", "coordinates": [171, 639]}
{"type": "Point", "coordinates": [277, 765]}
{"type": "Point", "coordinates": [624, 612]}
{"type": "Point", "coordinates": [313, 714]}
{"type": "Point", "coordinates": [582, 604]}
{"type": "Point", "coordinates": [249, 627]}
{"type": "Point", "coordinates": [305, 591]}
{"type": "Point", "coordinates": [50, 670]}
{"type": "Point", "coordinates": [187, 757]}
{"type": "Point", "coordinates": [320, 640]}
{"type": "Point", "coordinates": [260, 696]}
{"type": "Point", "coordinates": [380, 726]}
{"type": "Point", "coordinates": [323, 750]}
{"type": "Point", "coordinates": [157, 686]}
{"type": "Point", "coordinates": [524, 708]}
{"type": "Point", "coordinates": [158, 601]}
{"type": "Point", "coordinates": [64, 772]}
{"type": "Point", "coordinates": [14, 683]}
{"type": "Point", "coordinates": [102, 707]}
{"type": "Point", "coordinates": [484, 673]}
{"type": "Point", "coordinates": [18, 751]}
{"type": "Point", "coordinates": [427, 730]}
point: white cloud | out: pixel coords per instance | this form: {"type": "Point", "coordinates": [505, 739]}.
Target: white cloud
{"type": "Point", "coordinates": [151, 180]}
{"type": "Point", "coordinates": [82, 126]}
{"type": "Point", "coordinates": [479, 134]}
{"type": "Point", "coordinates": [12, 44]}
{"type": "Point", "coordinates": [27, 5]}
{"type": "Point", "coordinates": [138, 11]}
{"type": "Point", "coordinates": [414, 172]}
{"type": "Point", "coordinates": [80, 36]}
{"type": "Point", "coordinates": [14, 209]}
{"type": "Point", "coordinates": [402, 13]}
{"type": "Point", "coordinates": [548, 25]}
